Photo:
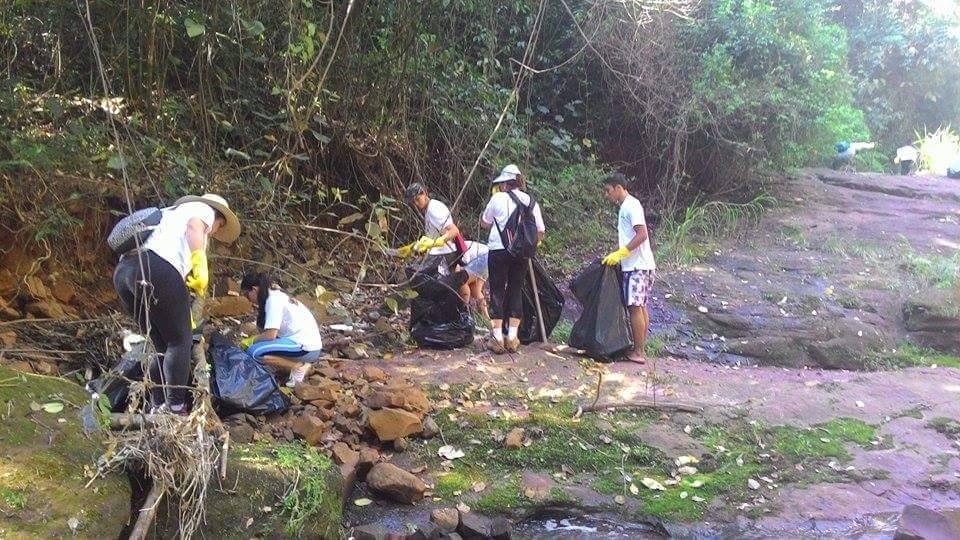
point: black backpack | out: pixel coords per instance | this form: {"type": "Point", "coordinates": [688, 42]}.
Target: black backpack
{"type": "Point", "coordinates": [519, 235]}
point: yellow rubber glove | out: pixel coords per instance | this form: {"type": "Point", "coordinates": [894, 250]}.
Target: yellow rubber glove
{"type": "Point", "coordinates": [199, 273]}
{"type": "Point", "coordinates": [614, 258]}
{"type": "Point", "coordinates": [423, 244]}
{"type": "Point", "coordinates": [245, 343]}
{"type": "Point", "coordinates": [494, 190]}
{"type": "Point", "coordinates": [405, 251]}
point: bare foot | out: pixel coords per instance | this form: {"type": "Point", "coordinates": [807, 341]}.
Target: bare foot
{"type": "Point", "coordinates": [637, 358]}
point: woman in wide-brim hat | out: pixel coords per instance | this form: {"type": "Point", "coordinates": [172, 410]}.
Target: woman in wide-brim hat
{"type": "Point", "coordinates": [153, 283]}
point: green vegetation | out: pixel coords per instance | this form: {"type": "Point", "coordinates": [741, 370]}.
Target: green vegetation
{"type": "Point", "coordinates": [933, 270]}
{"type": "Point", "coordinates": [311, 499]}
{"type": "Point", "coordinates": [947, 426]}
{"type": "Point", "coordinates": [908, 355]}
{"type": "Point", "coordinates": [685, 238]}
{"type": "Point", "coordinates": [508, 496]}
{"type": "Point", "coordinates": [561, 332]}
{"type": "Point", "coordinates": [824, 441]}
{"type": "Point", "coordinates": [15, 500]}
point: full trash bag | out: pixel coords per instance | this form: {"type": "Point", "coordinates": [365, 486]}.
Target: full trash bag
{"type": "Point", "coordinates": [241, 383]}
{"type": "Point", "coordinates": [551, 305]}
{"type": "Point", "coordinates": [603, 329]}
{"type": "Point", "coordinates": [439, 319]}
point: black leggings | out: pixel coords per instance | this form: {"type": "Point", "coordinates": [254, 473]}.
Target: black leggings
{"type": "Point", "coordinates": [161, 306]}
{"type": "Point", "coordinates": [507, 277]}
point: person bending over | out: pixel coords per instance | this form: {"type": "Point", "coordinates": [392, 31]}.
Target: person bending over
{"type": "Point", "coordinates": [289, 338]}
{"type": "Point", "coordinates": [153, 281]}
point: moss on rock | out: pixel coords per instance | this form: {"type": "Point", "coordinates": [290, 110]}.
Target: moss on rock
{"type": "Point", "coordinates": [45, 463]}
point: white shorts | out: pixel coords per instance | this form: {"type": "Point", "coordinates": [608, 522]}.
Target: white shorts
{"type": "Point", "coordinates": [637, 286]}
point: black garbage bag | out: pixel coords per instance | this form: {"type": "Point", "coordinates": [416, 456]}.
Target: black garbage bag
{"type": "Point", "coordinates": [241, 383]}
{"type": "Point", "coordinates": [603, 329]}
{"type": "Point", "coordinates": [551, 305]}
{"type": "Point", "coordinates": [114, 384]}
{"type": "Point", "coordinates": [439, 319]}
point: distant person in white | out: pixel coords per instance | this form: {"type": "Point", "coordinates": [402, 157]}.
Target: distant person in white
{"type": "Point", "coordinates": [907, 157]}
{"type": "Point", "coordinates": [635, 259]}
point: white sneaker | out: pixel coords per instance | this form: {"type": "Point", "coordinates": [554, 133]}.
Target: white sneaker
{"type": "Point", "coordinates": [297, 375]}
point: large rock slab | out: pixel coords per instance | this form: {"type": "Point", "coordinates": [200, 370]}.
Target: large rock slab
{"type": "Point", "coordinates": [919, 523]}
{"type": "Point", "coordinates": [45, 462]}
{"type": "Point", "coordinates": [933, 319]}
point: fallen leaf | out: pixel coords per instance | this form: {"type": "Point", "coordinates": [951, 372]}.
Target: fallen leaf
{"type": "Point", "coordinates": [686, 460]}
{"type": "Point", "coordinates": [449, 452]}
{"type": "Point", "coordinates": [861, 404]}
{"type": "Point", "coordinates": [824, 439]}
{"type": "Point", "coordinates": [53, 407]}
{"type": "Point", "coordinates": [753, 484]}
{"type": "Point", "coordinates": [650, 483]}
{"type": "Point", "coordinates": [249, 523]}
{"type": "Point", "coordinates": [634, 489]}
{"type": "Point", "coordinates": [697, 499]}
{"type": "Point", "coordinates": [683, 494]}
{"type": "Point", "coordinates": [362, 502]}
{"type": "Point", "coordinates": [478, 487]}
{"type": "Point", "coordinates": [620, 499]}
{"type": "Point", "coordinates": [696, 483]}
{"type": "Point", "coordinates": [34, 406]}
{"type": "Point", "coordinates": [687, 471]}
{"type": "Point", "coordinates": [73, 523]}
{"type": "Point", "coordinates": [702, 309]}
{"type": "Point", "coordinates": [740, 461]}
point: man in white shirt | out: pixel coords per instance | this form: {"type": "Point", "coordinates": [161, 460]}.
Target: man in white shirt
{"type": "Point", "coordinates": [635, 259]}
{"type": "Point", "coordinates": [907, 156]}
{"type": "Point", "coordinates": [440, 232]}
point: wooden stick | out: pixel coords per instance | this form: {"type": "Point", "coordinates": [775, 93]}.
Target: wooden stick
{"type": "Point", "coordinates": [536, 301]}
{"type": "Point", "coordinates": [644, 404]}
{"type": "Point", "coordinates": [147, 513]}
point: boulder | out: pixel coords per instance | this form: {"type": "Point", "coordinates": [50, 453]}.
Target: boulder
{"type": "Point", "coordinates": [430, 428]}
{"type": "Point", "coordinates": [400, 396]}
{"type": "Point", "coordinates": [473, 527]}
{"type": "Point", "coordinates": [368, 458]}
{"type": "Point", "coordinates": [919, 523]}
{"type": "Point", "coordinates": [933, 320]}
{"type": "Point", "coordinates": [395, 483]}
{"type": "Point", "coordinates": [241, 433]}
{"type": "Point", "coordinates": [344, 455]}
{"type": "Point", "coordinates": [501, 529]}
{"type": "Point", "coordinates": [374, 374]}
{"type": "Point", "coordinates": [447, 519]}
{"type": "Point", "coordinates": [325, 390]}
{"type": "Point", "coordinates": [310, 428]}
{"type": "Point", "coordinates": [392, 424]}
{"type": "Point", "coordinates": [45, 458]}
{"type": "Point", "coordinates": [227, 306]}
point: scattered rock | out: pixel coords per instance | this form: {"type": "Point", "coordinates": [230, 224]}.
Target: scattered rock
{"type": "Point", "coordinates": [326, 390]}
{"type": "Point", "coordinates": [395, 483]}
{"type": "Point", "coordinates": [430, 428]}
{"type": "Point", "coordinates": [227, 306]}
{"type": "Point", "coordinates": [536, 486]}
{"type": "Point", "coordinates": [474, 527]}
{"type": "Point", "coordinates": [63, 291]}
{"type": "Point", "coordinates": [514, 439]}
{"type": "Point", "coordinates": [400, 396]}
{"type": "Point", "coordinates": [427, 531]}
{"type": "Point", "coordinates": [241, 433]}
{"type": "Point", "coordinates": [919, 523]}
{"type": "Point", "coordinates": [368, 458]}
{"type": "Point", "coordinates": [501, 529]}
{"type": "Point", "coordinates": [400, 444]}
{"type": "Point", "coordinates": [392, 424]}
{"type": "Point", "coordinates": [374, 374]}
{"type": "Point", "coordinates": [310, 428]}
{"type": "Point", "coordinates": [447, 519]}
{"type": "Point", "coordinates": [344, 455]}
{"type": "Point", "coordinates": [352, 410]}
{"type": "Point", "coordinates": [373, 316]}
{"type": "Point", "coordinates": [372, 531]}
{"type": "Point", "coordinates": [348, 479]}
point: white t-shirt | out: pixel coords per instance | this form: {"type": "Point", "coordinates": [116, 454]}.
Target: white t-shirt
{"type": "Point", "coordinates": [498, 211]}
{"type": "Point", "coordinates": [631, 215]}
{"type": "Point", "coordinates": [169, 239]}
{"type": "Point", "coordinates": [435, 220]}
{"type": "Point", "coordinates": [292, 320]}
{"type": "Point", "coordinates": [907, 153]}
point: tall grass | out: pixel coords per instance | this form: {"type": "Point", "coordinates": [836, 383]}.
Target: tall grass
{"type": "Point", "coordinates": [938, 150]}
{"type": "Point", "coordinates": [684, 238]}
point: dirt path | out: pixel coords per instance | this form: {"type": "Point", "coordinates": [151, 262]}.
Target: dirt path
{"type": "Point", "coordinates": [830, 449]}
